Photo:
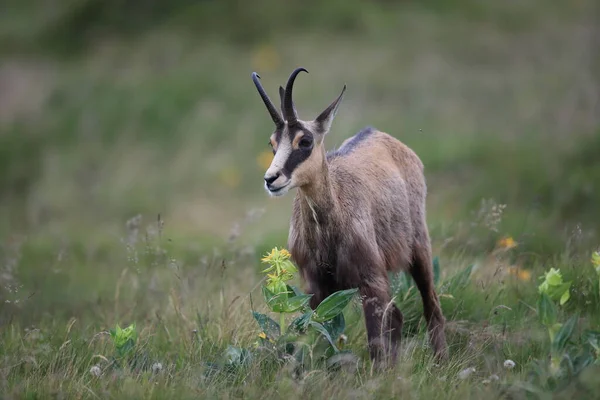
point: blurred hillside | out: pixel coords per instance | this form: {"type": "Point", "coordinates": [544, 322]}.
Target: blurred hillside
{"type": "Point", "coordinates": [113, 108]}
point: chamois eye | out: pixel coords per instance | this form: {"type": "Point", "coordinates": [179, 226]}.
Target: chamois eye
{"type": "Point", "coordinates": [305, 142]}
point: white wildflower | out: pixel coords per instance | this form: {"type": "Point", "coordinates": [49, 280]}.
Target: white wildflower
{"type": "Point", "coordinates": [95, 370]}
{"type": "Point", "coordinates": [157, 367]}
{"type": "Point", "coordinates": [491, 379]}
{"type": "Point", "coordinates": [464, 374]}
{"type": "Point", "coordinates": [509, 364]}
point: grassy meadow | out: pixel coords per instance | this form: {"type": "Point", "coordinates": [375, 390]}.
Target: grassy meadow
{"type": "Point", "coordinates": [132, 151]}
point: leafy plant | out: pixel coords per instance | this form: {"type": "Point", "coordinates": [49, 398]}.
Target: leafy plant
{"type": "Point", "coordinates": [124, 339]}
{"type": "Point", "coordinates": [306, 332]}
{"type": "Point", "coordinates": [569, 355]}
{"type": "Point", "coordinates": [554, 287]}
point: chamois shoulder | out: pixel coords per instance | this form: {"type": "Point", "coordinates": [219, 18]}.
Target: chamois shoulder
{"type": "Point", "coordinates": [349, 145]}
{"type": "Point", "coordinates": [374, 146]}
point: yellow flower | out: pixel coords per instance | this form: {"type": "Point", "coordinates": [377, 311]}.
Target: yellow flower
{"type": "Point", "coordinates": [276, 255]}
{"type": "Point", "coordinates": [522, 274]}
{"type": "Point", "coordinates": [264, 159]}
{"type": "Point", "coordinates": [262, 335]}
{"type": "Point", "coordinates": [272, 276]}
{"type": "Point", "coordinates": [269, 256]}
{"type": "Point", "coordinates": [285, 254]}
{"type": "Point", "coordinates": [507, 243]}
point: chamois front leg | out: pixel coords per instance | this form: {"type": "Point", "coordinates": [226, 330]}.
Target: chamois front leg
{"type": "Point", "coordinates": [316, 299]}
{"type": "Point", "coordinates": [383, 321]}
{"type": "Point", "coordinates": [319, 292]}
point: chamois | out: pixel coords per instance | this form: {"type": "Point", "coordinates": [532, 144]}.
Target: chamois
{"type": "Point", "coordinates": [358, 213]}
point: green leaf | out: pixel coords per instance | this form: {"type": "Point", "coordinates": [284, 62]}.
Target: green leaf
{"type": "Point", "coordinates": [553, 329]}
{"type": "Point", "coordinates": [554, 286]}
{"type": "Point", "coordinates": [302, 353]}
{"type": "Point", "coordinates": [464, 276]}
{"type": "Point", "coordinates": [436, 270]}
{"type": "Point", "coordinates": [298, 292]}
{"type": "Point", "coordinates": [268, 326]}
{"type": "Point", "coordinates": [333, 305]}
{"type": "Point", "coordinates": [583, 360]}
{"type": "Point", "coordinates": [301, 323]}
{"type": "Point", "coordinates": [321, 329]}
{"type": "Point", "coordinates": [554, 277]}
{"type": "Point", "coordinates": [289, 267]}
{"type": "Point", "coordinates": [125, 347]}
{"type": "Point", "coordinates": [335, 326]}
{"type": "Point", "coordinates": [295, 289]}
{"type": "Point", "coordinates": [593, 338]}
{"type": "Point", "coordinates": [546, 310]}
{"type": "Point", "coordinates": [461, 279]}
{"type": "Point", "coordinates": [295, 303]}
{"type": "Point", "coordinates": [275, 301]}
{"type": "Point", "coordinates": [285, 301]}
{"type": "Point", "coordinates": [129, 331]}
{"type": "Point", "coordinates": [562, 336]}
{"type": "Point", "coordinates": [123, 339]}
{"type": "Point", "coordinates": [276, 286]}
{"type": "Point", "coordinates": [236, 356]}
{"type": "Point", "coordinates": [565, 297]}
{"type": "Point", "coordinates": [559, 292]}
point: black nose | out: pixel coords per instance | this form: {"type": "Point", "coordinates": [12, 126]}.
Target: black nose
{"type": "Point", "coordinates": [271, 179]}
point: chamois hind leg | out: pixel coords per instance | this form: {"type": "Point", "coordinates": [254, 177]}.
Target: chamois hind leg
{"type": "Point", "coordinates": [421, 270]}
{"type": "Point", "coordinates": [383, 322]}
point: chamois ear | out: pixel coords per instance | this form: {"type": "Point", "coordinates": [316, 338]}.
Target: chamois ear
{"type": "Point", "coordinates": [324, 120]}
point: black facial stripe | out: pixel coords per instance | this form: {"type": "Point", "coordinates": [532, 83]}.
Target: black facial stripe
{"type": "Point", "coordinates": [296, 158]}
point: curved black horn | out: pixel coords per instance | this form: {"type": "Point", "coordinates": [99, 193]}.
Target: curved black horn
{"type": "Point", "coordinates": [288, 105]}
{"type": "Point", "coordinates": [272, 110]}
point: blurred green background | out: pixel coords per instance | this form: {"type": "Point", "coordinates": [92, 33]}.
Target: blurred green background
{"type": "Point", "coordinates": [111, 109]}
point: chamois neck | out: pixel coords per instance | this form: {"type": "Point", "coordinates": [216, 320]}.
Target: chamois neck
{"type": "Point", "coordinates": [317, 197]}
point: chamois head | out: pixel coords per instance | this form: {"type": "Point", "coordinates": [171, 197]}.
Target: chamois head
{"type": "Point", "coordinates": [297, 144]}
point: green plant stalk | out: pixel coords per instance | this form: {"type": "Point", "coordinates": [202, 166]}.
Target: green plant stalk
{"type": "Point", "coordinates": [554, 363]}
{"type": "Point", "coordinates": [282, 323]}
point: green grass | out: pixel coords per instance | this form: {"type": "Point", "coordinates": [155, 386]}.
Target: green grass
{"type": "Point", "coordinates": [498, 100]}
{"type": "Point", "coordinates": [189, 305]}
